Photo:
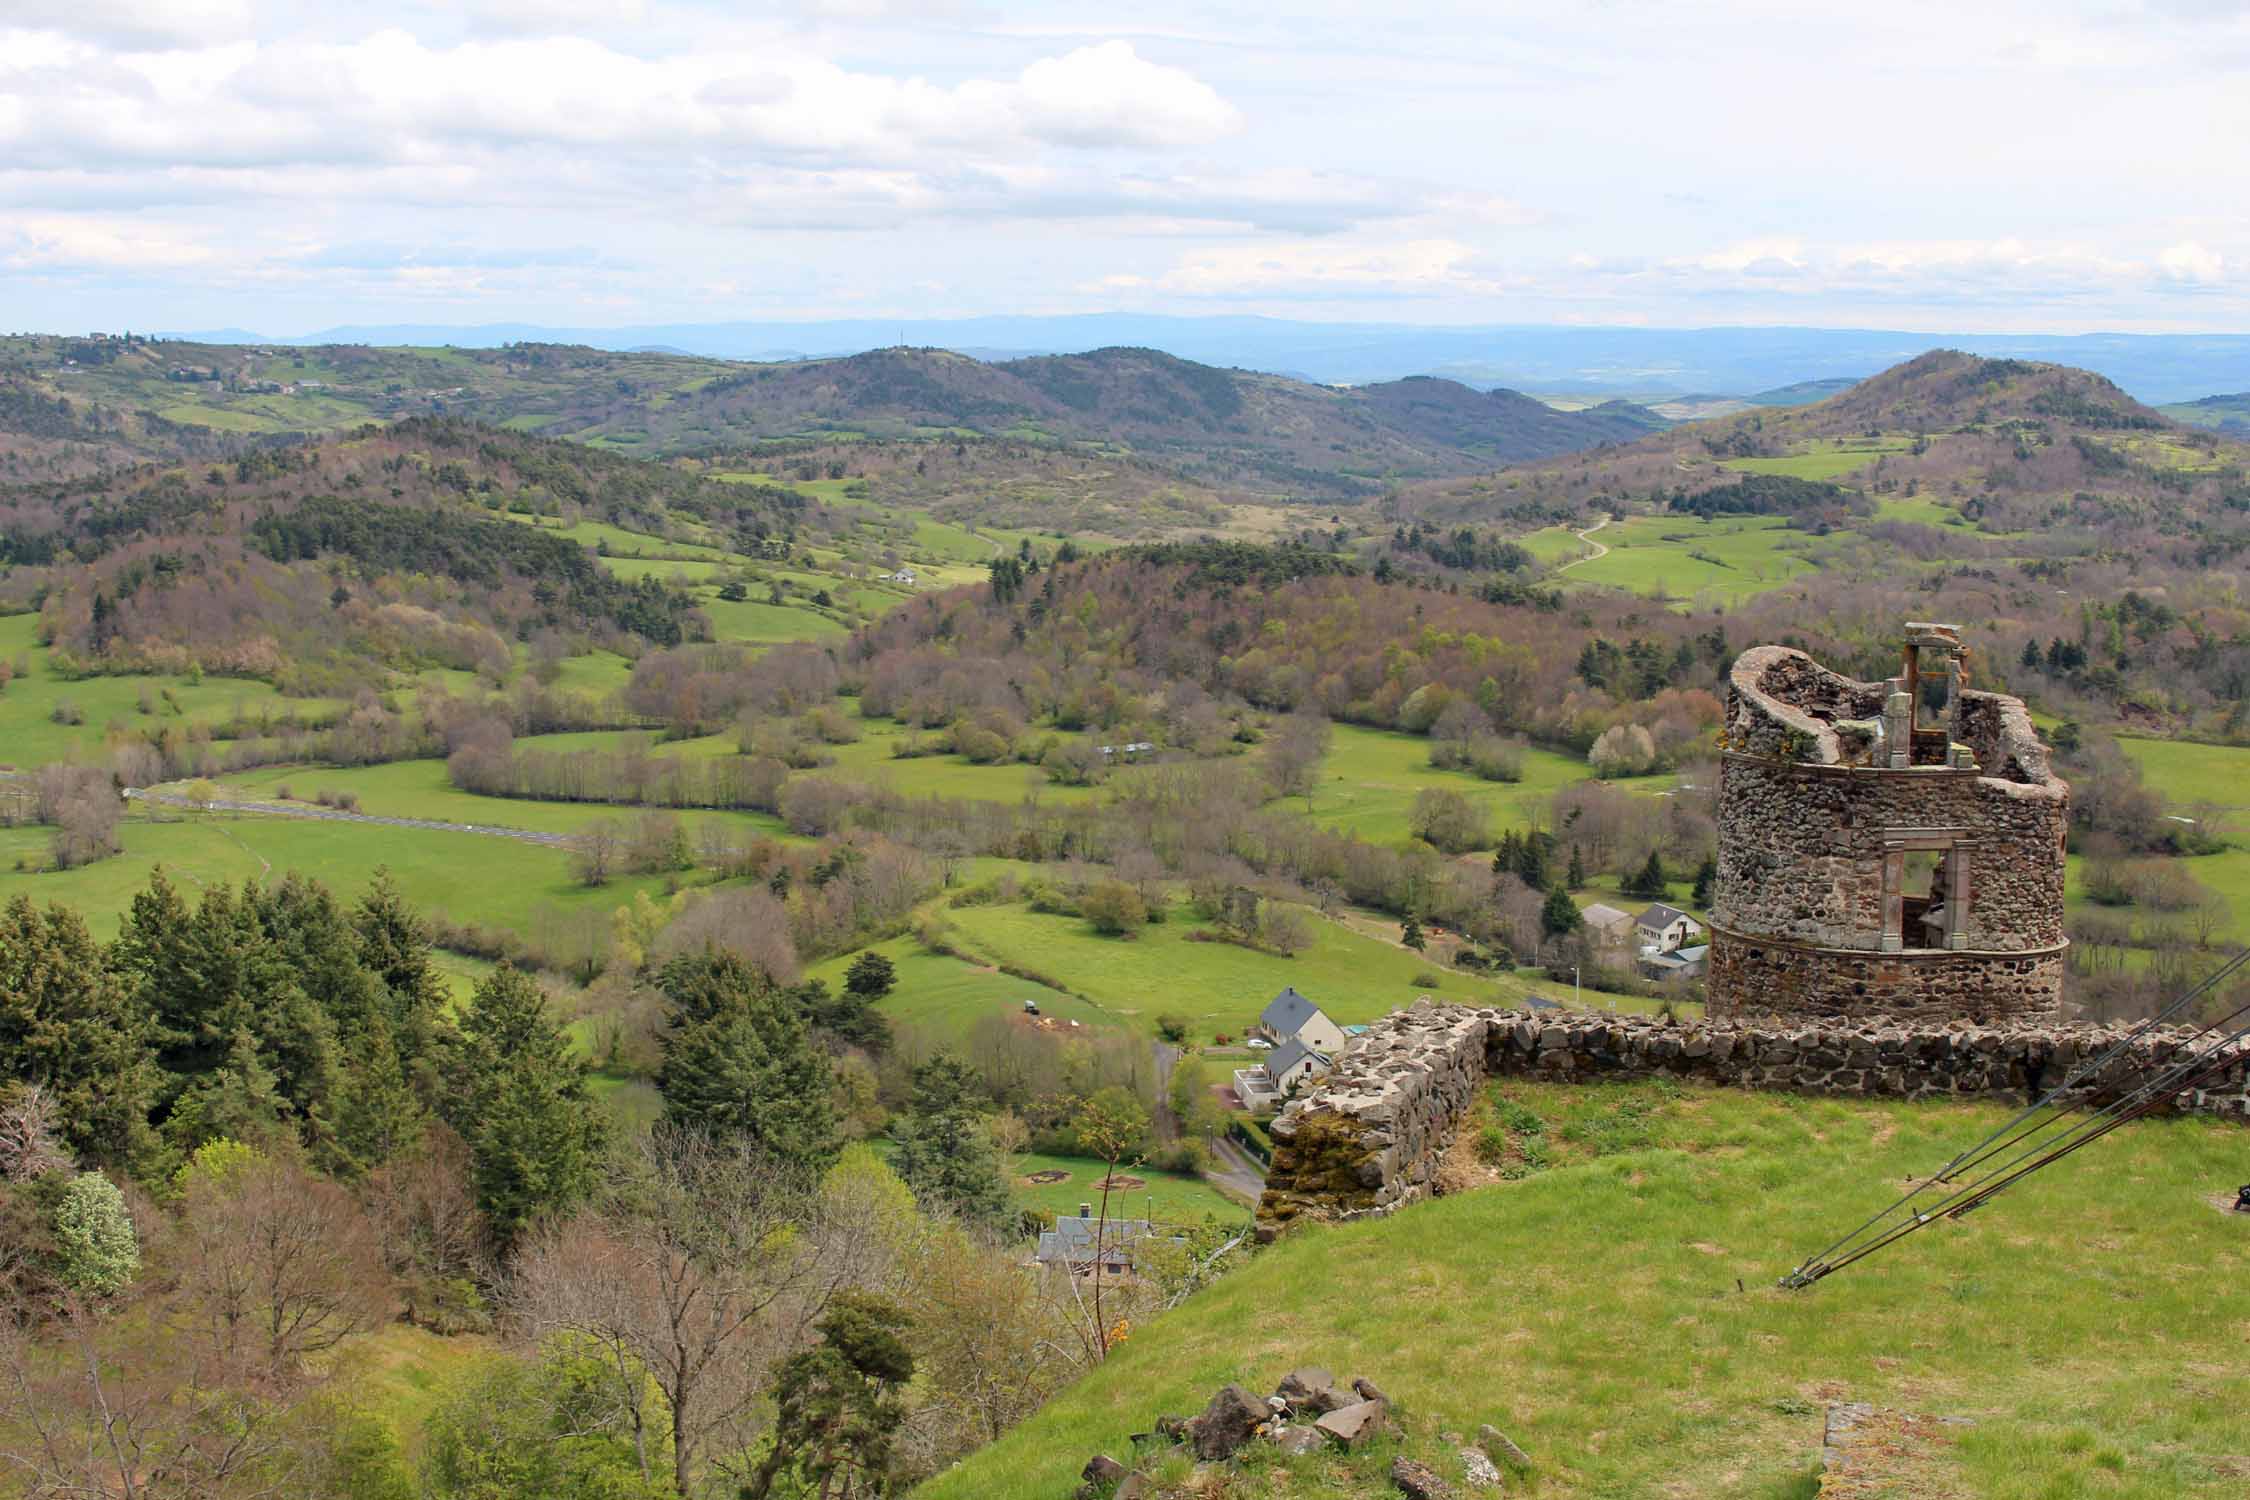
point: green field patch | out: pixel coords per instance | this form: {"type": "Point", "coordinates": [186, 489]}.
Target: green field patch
{"type": "Point", "coordinates": [1372, 776]}
{"type": "Point", "coordinates": [2187, 775]}
{"type": "Point", "coordinates": [421, 789]}
{"type": "Point", "coordinates": [220, 418]}
{"type": "Point", "coordinates": [1919, 510]}
{"type": "Point", "coordinates": [1681, 557]}
{"type": "Point", "coordinates": [1648, 1351]}
{"type": "Point", "coordinates": [1166, 1197]}
{"type": "Point", "coordinates": [1216, 986]}
{"type": "Point", "coordinates": [1820, 461]}
{"type": "Point", "coordinates": [947, 997]}
{"type": "Point", "coordinates": [465, 877]}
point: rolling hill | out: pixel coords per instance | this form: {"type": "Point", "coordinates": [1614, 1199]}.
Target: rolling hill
{"type": "Point", "coordinates": [2011, 445]}
{"type": "Point", "coordinates": [75, 405]}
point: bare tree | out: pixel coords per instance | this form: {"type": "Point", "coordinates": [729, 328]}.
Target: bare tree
{"type": "Point", "coordinates": [695, 1276]}
{"type": "Point", "coordinates": [593, 852]}
{"type": "Point", "coordinates": [274, 1266]}
{"type": "Point", "coordinates": [1293, 753]}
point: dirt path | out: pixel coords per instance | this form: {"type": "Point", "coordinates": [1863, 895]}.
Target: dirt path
{"type": "Point", "coordinates": [337, 815]}
{"type": "Point", "coordinates": [1587, 536]}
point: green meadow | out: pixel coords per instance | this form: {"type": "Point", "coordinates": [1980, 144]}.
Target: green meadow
{"type": "Point", "coordinates": [464, 877]}
{"type": "Point", "coordinates": [1682, 557]}
{"type": "Point", "coordinates": [1372, 776]}
{"type": "Point", "coordinates": [1616, 1314]}
{"type": "Point", "coordinates": [1165, 1197]}
{"type": "Point", "coordinates": [946, 996]}
{"type": "Point", "coordinates": [1216, 986]}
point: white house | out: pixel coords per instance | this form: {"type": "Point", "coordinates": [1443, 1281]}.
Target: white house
{"type": "Point", "coordinates": [1292, 1062]}
{"type": "Point", "coordinates": [903, 575]}
{"type": "Point", "coordinates": [1289, 1016]}
{"type": "Point", "coordinates": [1666, 928]}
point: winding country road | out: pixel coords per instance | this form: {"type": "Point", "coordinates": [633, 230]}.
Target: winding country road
{"type": "Point", "coordinates": [1587, 536]}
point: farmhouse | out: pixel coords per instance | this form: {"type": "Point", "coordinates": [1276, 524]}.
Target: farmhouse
{"type": "Point", "coordinates": [1264, 1087]}
{"type": "Point", "coordinates": [1666, 928]}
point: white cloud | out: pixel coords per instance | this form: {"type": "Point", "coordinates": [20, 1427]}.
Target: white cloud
{"type": "Point", "coordinates": [2191, 262]}
{"type": "Point", "coordinates": [1408, 268]}
{"type": "Point", "coordinates": [80, 242]}
{"type": "Point", "coordinates": [135, 24]}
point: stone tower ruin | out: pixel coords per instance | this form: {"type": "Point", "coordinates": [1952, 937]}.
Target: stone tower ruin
{"type": "Point", "coordinates": [1888, 849]}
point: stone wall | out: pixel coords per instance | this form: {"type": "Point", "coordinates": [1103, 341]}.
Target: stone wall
{"type": "Point", "coordinates": [1367, 1139]}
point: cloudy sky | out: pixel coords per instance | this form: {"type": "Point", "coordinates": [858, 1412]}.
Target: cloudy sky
{"type": "Point", "coordinates": [287, 165]}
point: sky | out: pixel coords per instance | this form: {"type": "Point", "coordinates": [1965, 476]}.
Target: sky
{"type": "Point", "coordinates": [1995, 166]}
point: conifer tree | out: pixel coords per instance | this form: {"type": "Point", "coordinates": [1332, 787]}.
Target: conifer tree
{"type": "Point", "coordinates": [70, 1026]}
{"type": "Point", "coordinates": [1576, 879]}
{"type": "Point", "coordinates": [1706, 882]}
{"type": "Point", "coordinates": [1560, 915]}
{"type": "Point", "coordinates": [520, 1102]}
{"type": "Point", "coordinates": [738, 1061]}
{"type": "Point", "coordinates": [394, 946]}
{"type": "Point", "coordinates": [944, 1151]}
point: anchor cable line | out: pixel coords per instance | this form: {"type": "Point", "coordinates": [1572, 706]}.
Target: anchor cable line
{"type": "Point", "coordinates": [2031, 1135]}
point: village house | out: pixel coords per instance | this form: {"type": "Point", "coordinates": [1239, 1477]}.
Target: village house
{"type": "Point", "coordinates": [1304, 1042]}
{"type": "Point", "coordinates": [1610, 929]}
{"type": "Point", "coordinates": [1289, 1016]}
{"type": "Point", "coordinates": [1680, 963]}
{"type": "Point", "coordinates": [1666, 928]}
{"type": "Point", "coordinates": [1083, 1243]}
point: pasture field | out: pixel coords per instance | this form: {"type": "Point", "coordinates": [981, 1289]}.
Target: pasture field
{"type": "Point", "coordinates": [1821, 460]}
{"type": "Point", "coordinates": [30, 736]}
{"type": "Point", "coordinates": [1920, 510]}
{"type": "Point", "coordinates": [1682, 557]}
{"type": "Point", "coordinates": [2188, 775]}
{"type": "Point", "coordinates": [1371, 777]}
{"type": "Point", "coordinates": [1555, 544]}
{"type": "Point", "coordinates": [1216, 986]}
{"type": "Point", "coordinates": [465, 877]}
{"type": "Point", "coordinates": [946, 996]}
{"type": "Point", "coordinates": [1165, 1197]}
{"type": "Point", "coordinates": [1640, 1347]}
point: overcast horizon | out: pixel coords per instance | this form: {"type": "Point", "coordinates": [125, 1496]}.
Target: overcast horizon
{"type": "Point", "coordinates": [286, 168]}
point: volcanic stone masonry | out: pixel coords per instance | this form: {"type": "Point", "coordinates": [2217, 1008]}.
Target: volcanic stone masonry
{"type": "Point", "coordinates": [1887, 849]}
{"type": "Point", "coordinates": [1368, 1137]}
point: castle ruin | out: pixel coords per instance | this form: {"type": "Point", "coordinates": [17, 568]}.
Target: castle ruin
{"type": "Point", "coordinates": [1886, 850]}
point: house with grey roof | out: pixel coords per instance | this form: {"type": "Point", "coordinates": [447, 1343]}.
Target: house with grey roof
{"type": "Point", "coordinates": [1290, 1016]}
{"type": "Point", "coordinates": [1666, 928]}
{"type": "Point", "coordinates": [1082, 1243]}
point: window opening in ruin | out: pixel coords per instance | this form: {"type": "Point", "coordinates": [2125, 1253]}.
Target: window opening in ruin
{"type": "Point", "coordinates": [1925, 887]}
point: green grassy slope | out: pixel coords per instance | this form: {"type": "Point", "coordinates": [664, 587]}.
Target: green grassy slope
{"type": "Point", "coordinates": [2091, 1324]}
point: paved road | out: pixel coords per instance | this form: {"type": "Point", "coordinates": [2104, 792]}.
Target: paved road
{"type": "Point", "coordinates": [338, 815]}
{"type": "Point", "coordinates": [1235, 1170]}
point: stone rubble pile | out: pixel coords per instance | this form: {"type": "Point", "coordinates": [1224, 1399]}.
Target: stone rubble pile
{"type": "Point", "coordinates": [1368, 1137]}
{"type": "Point", "coordinates": [1310, 1411]}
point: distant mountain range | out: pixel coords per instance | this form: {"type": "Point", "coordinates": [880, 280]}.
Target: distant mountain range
{"type": "Point", "coordinates": [1550, 360]}
{"type": "Point", "coordinates": [73, 405]}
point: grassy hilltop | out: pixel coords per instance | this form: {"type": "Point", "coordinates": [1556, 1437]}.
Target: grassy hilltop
{"type": "Point", "coordinates": [2089, 1325]}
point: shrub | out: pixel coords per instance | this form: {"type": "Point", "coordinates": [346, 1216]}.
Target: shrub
{"type": "Point", "coordinates": [1428, 979]}
{"type": "Point", "coordinates": [1173, 1027]}
{"type": "Point", "coordinates": [1114, 908]}
{"type": "Point", "coordinates": [95, 1248]}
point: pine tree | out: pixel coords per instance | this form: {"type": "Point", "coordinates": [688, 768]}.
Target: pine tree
{"type": "Point", "coordinates": [394, 946]}
{"type": "Point", "coordinates": [210, 978]}
{"type": "Point", "coordinates": [1650, 881]}
{"type": "Point", "coordinates": [1576, 879]}
{"type": "Point", "coordinates": [1560, 915]}
{"type": "Point", "coordinates": [1410, 933]}
{"type": "Point", "coordinates": [838, 1406]}
{"type": "Point", "coordinates": [520, 1101]}
{"type": "Point", "coordinates": [69, 1025]}
{"type": "Point", "coordinates": [738, 1061]}
{"type": "Point", "coordinates": [1706, 880]}
{"type": "Point", "coordinates": [944, 1153]}
{"type": "Point", "coordinates": [871, 975]}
